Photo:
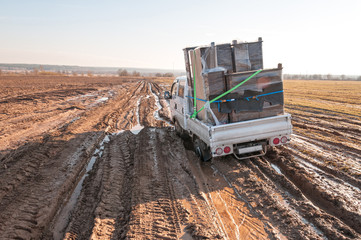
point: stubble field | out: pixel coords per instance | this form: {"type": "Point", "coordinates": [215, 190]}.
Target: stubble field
{"type": "Point", "coordinates": [70, 169]}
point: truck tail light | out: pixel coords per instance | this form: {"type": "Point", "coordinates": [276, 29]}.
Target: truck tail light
{"type": "Point", "coordinates": [219, 151]}
{"type": "Point", "coordinates": [284, 139]}
{"type": "Point", "coordinates": [227, 149]}
{"type": "Point", "coordinates": [276, 141]}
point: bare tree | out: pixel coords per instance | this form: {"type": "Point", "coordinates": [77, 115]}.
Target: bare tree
{"type": "Point", "coordinates": [168, 75]}
{"type": "Point", "coordinates": [135, 73]}
{"type": "Point", "coordinates": [122, 72]}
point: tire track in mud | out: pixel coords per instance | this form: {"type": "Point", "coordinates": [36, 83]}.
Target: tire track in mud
{"type": "Point", "coordinates": [142, 98]}
{"type": "Point", "coordinates": [110, 204]}
{"type": "Point", "coordinates": [31, 205]}
{"type": "Point", "coordinates": [265, 199]}
{"type": "Point", "coordinates": [323, 149]}
{"type": "Point", "coordinates": [149, 186]}
{"type": "Point", "coordinates": [264, 186]}
{"type": "Point", "coordinates": [166, 200]}
{"type": "Point", "coordinates": [331, 140]}
{"type": "Point", "coordinates": [318, 163]}
{"type": "Point", "coordinates": [154, 212]}
{"type": "Point", "coordinates": [142, 90]}
{"type": "Point", "coordinates": [351, 148]}
{"type": "Point", "coordinates": [158, 194]}
{"type": "Point", "coordinates": [39, 176]}
{"type": "Point", "coordinates": [135, 194]}
{"type": "Point", "coordinates": [45, 113]}
{"type": "Point", "coordinates": [235, 216]}
{"type": "Point", "coordinates": [325, 191]}
{"type": "Point", "coordinates": [228, 199]}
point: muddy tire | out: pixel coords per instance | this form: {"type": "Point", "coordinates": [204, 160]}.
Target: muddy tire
{"type": "Point", "coordinates": [180, 131]}
{"type": "Point", "coordinates": [178, 128]}
{"type": "Point", "coordinates": [202, 151]}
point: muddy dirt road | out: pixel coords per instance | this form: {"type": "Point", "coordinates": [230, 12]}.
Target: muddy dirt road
{"type": "Point", "coordinates": [100, 160]}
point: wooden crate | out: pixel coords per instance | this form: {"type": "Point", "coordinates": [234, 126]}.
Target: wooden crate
{"type": "Point", "coordinates": [247, 56]}
{"type": "Point", "coordinates": [241, 61]}
{"type": "Point", "coordinates": [267, 82]}
{"type": "Point", "coordinates": [216, 83]}
{"type": "Point", "coordinates": [224, 56]}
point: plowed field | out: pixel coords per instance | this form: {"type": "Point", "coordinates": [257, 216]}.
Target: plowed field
{"type": "Point", "coordinates": [97, 158]}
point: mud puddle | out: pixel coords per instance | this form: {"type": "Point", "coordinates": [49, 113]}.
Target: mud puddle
{"type": "Point", "coordinates": [159, 107]}
{"type": "Point", "coordinates": [64, 215]}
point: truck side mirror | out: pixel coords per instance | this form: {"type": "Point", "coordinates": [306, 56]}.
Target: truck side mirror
{"type": "Point", "coordinates": [167, 95]}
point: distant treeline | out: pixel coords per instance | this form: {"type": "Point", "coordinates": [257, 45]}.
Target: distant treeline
{"type": "Point", "coordinates": [42, 72]}
{"type": "Point", "coordinates": [80, 70]}
{"type": "Point", "coordinates": [321, 77]}
{"type": "Point", "coordinates": [124, 72]}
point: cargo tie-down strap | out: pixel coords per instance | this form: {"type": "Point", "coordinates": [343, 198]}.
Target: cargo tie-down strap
{"type": "Point", "coordinates": [234, 99]}
{"type": "Point", "coordinates": [220, 96]}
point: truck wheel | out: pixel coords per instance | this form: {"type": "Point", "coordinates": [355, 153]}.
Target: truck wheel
{"type": "Point", "coordinates": [178, 128]}
{"type": "Point", "coordinates": [180, 131]}
{"type": "Point", "coordinates": [202, 151]}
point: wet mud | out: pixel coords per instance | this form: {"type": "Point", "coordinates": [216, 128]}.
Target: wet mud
{"type": "Point", "coordinates": [101, 160]}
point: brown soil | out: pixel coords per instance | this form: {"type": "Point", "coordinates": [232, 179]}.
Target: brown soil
{"type": "Point", "coordinates": [73, 166]}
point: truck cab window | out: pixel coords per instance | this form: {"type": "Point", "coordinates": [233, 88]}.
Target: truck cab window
{"type": "Point", "coordinates": [174, 89]}
{"type": "Point", "coordinates": [181, 91]}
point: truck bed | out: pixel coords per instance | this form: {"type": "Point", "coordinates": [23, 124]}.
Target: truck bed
{"type": "Point", "coordinates": [241, 132]}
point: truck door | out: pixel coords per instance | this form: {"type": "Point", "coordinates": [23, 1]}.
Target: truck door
{"type": "Point", "coordinates": [172, 101]}
{"type": "Point", "coordinates": [177, 103]}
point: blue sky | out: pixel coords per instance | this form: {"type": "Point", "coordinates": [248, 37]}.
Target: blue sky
{"type": "Point", "coordinates": [310, 36]}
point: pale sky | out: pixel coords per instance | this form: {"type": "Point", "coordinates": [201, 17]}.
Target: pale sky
{"type": "Point", "coordinates": [309, 36]}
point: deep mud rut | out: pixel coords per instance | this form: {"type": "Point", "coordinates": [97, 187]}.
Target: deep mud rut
{"type": "Point", "coordinates": [115, 169]}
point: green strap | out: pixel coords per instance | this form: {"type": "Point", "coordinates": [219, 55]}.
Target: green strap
{"type": "Point", "coordinates": [194, 84]}
{"type": "Point", "coordinates": [225, 93]}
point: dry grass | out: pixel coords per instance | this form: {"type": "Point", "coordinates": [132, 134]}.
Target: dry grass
{"type": "Point", "coordinates": [328, 113]}
{"type": "Point", "coordinates": [338, 97]}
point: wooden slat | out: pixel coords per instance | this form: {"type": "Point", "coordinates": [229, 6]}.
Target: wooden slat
{"type": "Point", "coordinates": [217, 86]}
{"type": "Point", "coordinates": [188, 66]}
{"type": "Point", "coordinates": [200, 85]}
{"type": "Point", "coordinates": [224, 56]}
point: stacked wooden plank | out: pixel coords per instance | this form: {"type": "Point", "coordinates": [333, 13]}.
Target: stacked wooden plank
{"type": "Point", "coordinates": [217, 68]}
{"type": "Point", "coordinates": [209, 81]}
